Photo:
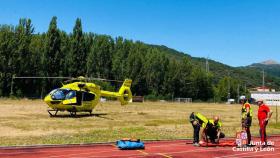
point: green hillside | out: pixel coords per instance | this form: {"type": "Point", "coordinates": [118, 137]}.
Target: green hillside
{"type": "Point", "coordinates": [249, 75]}
{"type": "Point", "coordinates": [271, 69]}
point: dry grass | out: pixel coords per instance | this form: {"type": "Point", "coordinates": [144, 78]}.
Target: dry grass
{"type": "Point", "coordinates": [26, 122]}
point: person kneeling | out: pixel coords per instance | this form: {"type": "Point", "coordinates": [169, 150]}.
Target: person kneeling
{"type": "Point", "coordinates": [213, 130]}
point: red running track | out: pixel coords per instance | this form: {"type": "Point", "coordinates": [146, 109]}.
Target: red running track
{"type": "Point", "coordinates": [155, 149]}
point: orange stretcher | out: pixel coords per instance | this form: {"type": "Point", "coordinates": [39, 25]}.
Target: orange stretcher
{"type": "Point", "coordinates": [226, 143]}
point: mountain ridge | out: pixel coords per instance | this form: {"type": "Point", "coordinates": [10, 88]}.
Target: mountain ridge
{"type": "Point", "coordinates": [251, 75]}
{"type": "Point", "coordinates": [270, 62]}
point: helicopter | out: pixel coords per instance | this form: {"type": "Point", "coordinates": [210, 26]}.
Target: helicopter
{"type": "Point", "coordinates": [80, 95]}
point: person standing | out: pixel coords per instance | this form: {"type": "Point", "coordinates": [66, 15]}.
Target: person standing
{"type": "Point", "coordinates": [264, 114]}
{"type": "Point", "coordinates": [246, 121]}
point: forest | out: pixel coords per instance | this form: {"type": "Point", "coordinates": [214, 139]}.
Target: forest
{"type": "Point", "coordinates": [155, 73]}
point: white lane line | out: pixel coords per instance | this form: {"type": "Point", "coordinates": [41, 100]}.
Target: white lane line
{"type": "Point", "coordinates": [126, 155]}
{"type": "Point", "coordinates": [80, 153]}
{"type": "Point", "coordinates": [135, 155]}
{"type": "Point", "coordinates": [178, 152]}
{"type": "Point", "coordinates": [45, 150]}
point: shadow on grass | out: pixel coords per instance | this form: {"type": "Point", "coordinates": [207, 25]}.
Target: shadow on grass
{"type": "Point", "coordinates": [83, 115]}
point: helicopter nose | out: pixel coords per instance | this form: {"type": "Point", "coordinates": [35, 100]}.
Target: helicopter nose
{"type": "Point", "coordinates": [48, 99]}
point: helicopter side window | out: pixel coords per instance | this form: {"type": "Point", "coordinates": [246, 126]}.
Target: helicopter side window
{"type": "Point", "coordinates": [88, 96]}
{"type": "Point", "coordinates": [71, 95]}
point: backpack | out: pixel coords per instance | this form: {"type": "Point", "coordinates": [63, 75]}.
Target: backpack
{"type": "Point", "coordinates": [130, 144]}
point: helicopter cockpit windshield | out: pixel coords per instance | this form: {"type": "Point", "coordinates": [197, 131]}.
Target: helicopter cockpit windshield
{"type": "Point", "coordinates": [62, 94]}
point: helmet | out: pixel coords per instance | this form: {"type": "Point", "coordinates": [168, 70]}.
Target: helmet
{"type": "Point", "coordinates": [260, 100]}
{"type": "Point", "coordinates": [242, 97]}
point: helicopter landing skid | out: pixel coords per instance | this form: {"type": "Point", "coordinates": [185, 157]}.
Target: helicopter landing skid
{"type": "Point", "coordinates": [49, 111]}
{"type": "Point", "coordinates": [73, 113]}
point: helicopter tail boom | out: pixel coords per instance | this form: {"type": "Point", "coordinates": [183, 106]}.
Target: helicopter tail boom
{"type": "Point", "coordinates": [124, 95]}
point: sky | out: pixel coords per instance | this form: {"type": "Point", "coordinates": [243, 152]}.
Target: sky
{"type": "Point", "coordinates": [234, 32]}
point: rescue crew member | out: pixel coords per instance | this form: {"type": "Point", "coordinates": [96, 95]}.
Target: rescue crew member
{"type": "Point", "coordinates": [246, 121]}
{"type": "Point", "coordinates": [198, 120]}
{"type": "Point", "coordinates": [213, 130]}
{"type": "Point", "coordinates": [264, 114]}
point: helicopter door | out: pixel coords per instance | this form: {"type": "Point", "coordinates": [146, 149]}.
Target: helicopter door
{"type": "Point", "coordinates": [79, 97]}
{"type": "Point", "coordinates": [70, 98]}
{"type": "Point", "coordinates": [88, 96]}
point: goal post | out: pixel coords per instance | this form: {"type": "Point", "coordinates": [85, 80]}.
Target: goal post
{"type": "Point", "coordinates": [183, 100]}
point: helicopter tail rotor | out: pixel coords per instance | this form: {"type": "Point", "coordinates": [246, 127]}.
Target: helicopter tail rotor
{"type": "Point", "coordinates": [125, 92]}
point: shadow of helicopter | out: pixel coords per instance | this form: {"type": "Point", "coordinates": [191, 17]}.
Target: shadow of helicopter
{"type": "Point", "coordinates": [83, 115]}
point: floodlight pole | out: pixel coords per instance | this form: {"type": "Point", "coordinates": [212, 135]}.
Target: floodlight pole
{"type": "Point", "coordinates": [276, 113]}
{"type": "Point", "coordinates": [238, 93]}
{"type": "Point", "coordinates": [228, 86]}
{"type": "Point", "coordinates": [42, 92]}
{"type": "Point", "coordinates": [263, 79]}
{"type": "Point", "coordinates": [12, 84]}
{"type": "Point", "coordinates": [207, 65]}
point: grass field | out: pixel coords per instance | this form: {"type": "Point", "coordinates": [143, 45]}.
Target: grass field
{"type": "Point", "coordinates": [26, 122]}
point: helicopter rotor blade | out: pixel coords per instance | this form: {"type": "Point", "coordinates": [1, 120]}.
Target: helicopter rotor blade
{"type": "Point", "coordinates": [102, 79]}
{"type": "Point", "coordinates": [35, 77]}
{"type": "Point", "coordinates": [70, 79]}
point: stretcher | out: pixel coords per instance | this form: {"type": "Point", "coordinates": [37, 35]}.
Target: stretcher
{"type": "Point", "coordinates": [226, 143]}
{"type": "Point", "coordinates": [240, 141]}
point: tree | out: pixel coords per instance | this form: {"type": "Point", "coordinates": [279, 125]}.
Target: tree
{"type": "Point", "coordinates": [155, 67]}
{"type": "Point", "coordinates": [120, 55]}
{"type": "Point", "coordinates": [135, 68]}
{"type": "Point", "coordinates": [7, 67]}
{"type": "Point", "coordinates": [171, 83]}
{"type": "Point", "coordinates": [65, 51]}
{"type": "Point", "coordinates": [185, 84]}
{"type": "Point", "coordinates": [22, 55]}
{"type": "Point", "coordinates": [202, 84]}
{"type": "Point", "coordinates": [227, 87]}
{"type": "Point", "coordinates": [77, 57]}
{"type": "Point", "coordinates": [53, 50]}
{"type": "Point", "coordinates": [37, 67]}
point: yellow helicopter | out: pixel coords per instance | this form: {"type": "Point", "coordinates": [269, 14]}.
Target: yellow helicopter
{"type": "Point", "coordinates": [83, 96]}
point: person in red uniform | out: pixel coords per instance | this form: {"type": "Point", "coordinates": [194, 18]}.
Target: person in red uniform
{"type": "Point", "coordinates": [264, 114]}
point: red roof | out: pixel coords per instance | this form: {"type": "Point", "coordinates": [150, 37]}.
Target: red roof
{"type": "Point", "coordinates": [262, 87]}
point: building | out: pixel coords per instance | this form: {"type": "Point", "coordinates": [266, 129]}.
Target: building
{"type": "Point", "coordinates": [263, 89]}
{"type": "Point", "coordinates": [271, 98]}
